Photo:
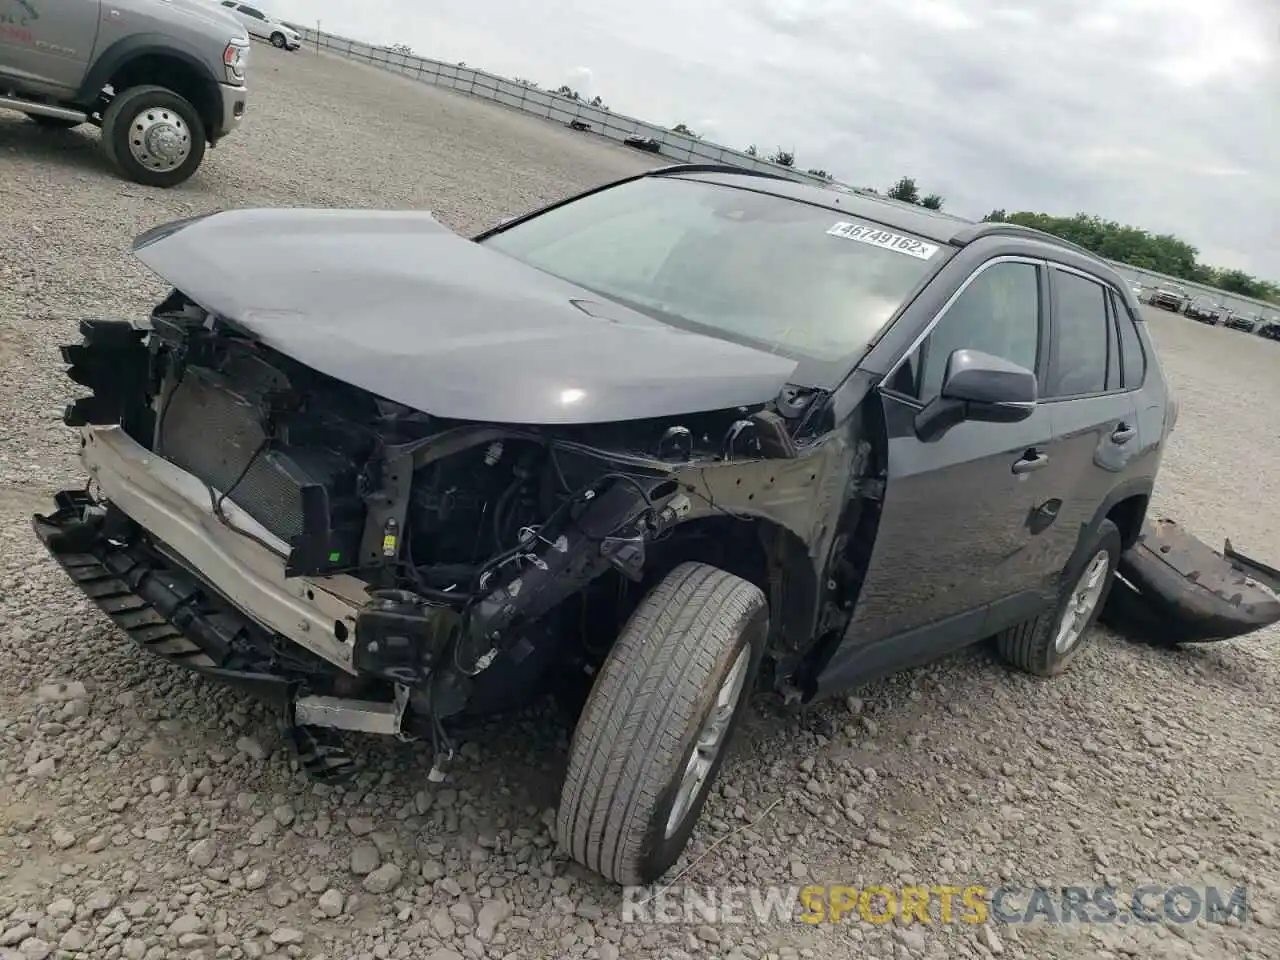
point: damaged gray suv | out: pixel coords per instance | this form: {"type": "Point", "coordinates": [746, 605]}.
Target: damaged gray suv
{"type": "Point", "coordinates": [686, 436]}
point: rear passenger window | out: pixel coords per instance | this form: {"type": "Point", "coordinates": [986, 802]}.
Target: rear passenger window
{"type": "Point", "coordinates": [997, 313]}
{"type": "Point", "coordinates": [1080, 323]}
{"type": "Point", "coordinates": [1132, 358]}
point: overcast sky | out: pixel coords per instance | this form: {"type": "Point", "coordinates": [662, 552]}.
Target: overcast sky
{"type": "Point", "coordinates": [1164, 114]}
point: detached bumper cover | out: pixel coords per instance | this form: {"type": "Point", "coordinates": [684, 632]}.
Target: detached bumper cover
{"type": "Point", "coordinates": [1177, 589]}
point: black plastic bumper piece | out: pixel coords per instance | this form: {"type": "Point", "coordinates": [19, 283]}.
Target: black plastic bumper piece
{"type": "Point", "coordinates": [1178, 589]}
{"type": "Point", "coordinates": [162, 607]}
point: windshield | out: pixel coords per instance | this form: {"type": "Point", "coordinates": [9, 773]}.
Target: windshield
{"type": "Point", "coordinates": [799, 280]}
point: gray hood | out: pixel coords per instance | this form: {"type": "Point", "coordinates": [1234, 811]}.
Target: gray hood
{"type": "Point", "coordinates": [398, 304]}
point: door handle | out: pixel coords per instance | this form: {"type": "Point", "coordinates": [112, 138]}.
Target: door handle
{"type": "Point", "coordinates": [1031, 461]}
{"type": "Point", "coordinates": [1123, 433]}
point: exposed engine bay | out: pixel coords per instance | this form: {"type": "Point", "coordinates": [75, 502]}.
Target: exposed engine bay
{"type": "Point", "coordinates": [490, 554]}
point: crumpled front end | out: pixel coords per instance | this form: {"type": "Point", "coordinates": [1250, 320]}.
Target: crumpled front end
{"type": "Point", "coordinates": [373, 567]}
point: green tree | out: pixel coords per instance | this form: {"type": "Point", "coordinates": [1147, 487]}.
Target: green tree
{"type": "Point", "coordinates": [684, 128]}
{"type": "Point", "coordinates": [1163, 253]}
{"type": "Point", "coordinates": [783, 158]}
{"type": "Point", "coordinates": [905, 190]}
{"type": "Point", "coordinates": [933, 201]}
{"type": "Point", "coordinates": [751, 151]}
{"type": "Point", "coordinates": [818, 172]}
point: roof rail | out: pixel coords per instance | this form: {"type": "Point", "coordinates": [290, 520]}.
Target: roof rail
{"type": "Point", "coordinates": [995, 229]}
{"type": "Point", "coordinates": [715, 168]}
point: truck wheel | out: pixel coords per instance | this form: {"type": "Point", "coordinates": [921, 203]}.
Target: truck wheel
{"type": "Point", "coordinates": [277, 40]}
{"type": "Point", "coordinates": [53, 123]}
{"type": "Point", "coordinates": [1047, 644]}
{"type": "Point", "coordinates": [652, 735]}
{"type": "Point", "coordinates": [153, 136]}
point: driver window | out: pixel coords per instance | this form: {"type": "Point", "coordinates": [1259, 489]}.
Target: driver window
{"type": "Point", "coordinates": [998, 313]}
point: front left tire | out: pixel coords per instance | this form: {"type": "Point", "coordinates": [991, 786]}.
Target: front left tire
{"type": "Point", "coordinates": [653, 732]}
{"type": "Point", "coordinates": [277, 40]}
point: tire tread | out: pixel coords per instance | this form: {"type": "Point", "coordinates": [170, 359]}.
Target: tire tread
{"type": "Point", "coordinates": [640, 710]}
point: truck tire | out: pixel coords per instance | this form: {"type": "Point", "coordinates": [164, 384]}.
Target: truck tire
{"type": "Point", "coordinates": [153, 136]}
{"type": "Point", "coordinates": [652, 735]}
{"type": "Point", "coordinates": [1046, 645]}
{"type": "Point", "coordinates": [53, 123]}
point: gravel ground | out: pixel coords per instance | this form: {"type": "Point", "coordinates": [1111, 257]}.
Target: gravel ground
{"type": "Point", "coordinates": [147, 814]}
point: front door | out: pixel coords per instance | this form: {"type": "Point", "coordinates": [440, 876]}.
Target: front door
{"type": "Point", "coordinates": [47, 44]}
{"type": "Point", "coordinates": [963, 515]}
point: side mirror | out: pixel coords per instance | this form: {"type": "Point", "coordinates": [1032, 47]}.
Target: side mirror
{"type": "Point", "coordinates": [978, 386]}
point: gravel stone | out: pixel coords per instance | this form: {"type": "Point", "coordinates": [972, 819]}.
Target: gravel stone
{"type": "Point", "coordinates": [63, 839]}
{"type": "Point", "coordinates": [282, 936]}
{"type": "Point", "coordinates": [255, 879]}
{"type": "Point", "coordinates": [1166, 770]}
{"type": "Point", "coordinates": [365, 859]}
{"type": "Point", "coordinates": [382, 880]}
{"type": "Point", "coordinates": [201, 853]}
{"type": "Point", "coordinates": [330, 903]}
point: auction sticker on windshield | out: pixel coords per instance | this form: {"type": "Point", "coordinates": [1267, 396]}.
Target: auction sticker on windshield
{"type": "Point", "coordinates": [864, 233]}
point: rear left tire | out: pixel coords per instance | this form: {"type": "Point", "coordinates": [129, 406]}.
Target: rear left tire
{"type": "Point", "coordinates": [1046, 645]}
{"type": "Point", "coordinates": [653, 733]}
{"type": "Point", "coordinates": [277, 41]}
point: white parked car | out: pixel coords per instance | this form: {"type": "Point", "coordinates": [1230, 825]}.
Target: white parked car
{"type": "Point", "coordinates": [263, 26]}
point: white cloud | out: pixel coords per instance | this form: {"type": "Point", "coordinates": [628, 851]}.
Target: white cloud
{"type": "Point", "coordinates": [1159, 113]}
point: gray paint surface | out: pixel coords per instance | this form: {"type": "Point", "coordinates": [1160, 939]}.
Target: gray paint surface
{"type": "Point", "coordinates": [396, 303]}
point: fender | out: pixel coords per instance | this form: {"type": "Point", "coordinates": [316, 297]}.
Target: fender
{"type": "Point", "coordinates": [1139, 486]}
{"type": "Point", "coordinates": [140, 45]}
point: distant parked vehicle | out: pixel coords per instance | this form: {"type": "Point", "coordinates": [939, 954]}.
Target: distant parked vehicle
{"type": "Point", "coordinates": [1270, 330]}
{"type": "Point", "coordinates": [262, 26]}
{"type": "Point", "coordinates": [1242, 321]}
{"type": "Point", "coordinates": [647, 144]}
{"type": "Point", "coordinates": [1205, 310]}
{"type": "Point", "coordinates": [1169, 298]}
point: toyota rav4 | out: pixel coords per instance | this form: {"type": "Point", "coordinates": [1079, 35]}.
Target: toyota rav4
{"type": "Point", "coordinates": [683, 437]}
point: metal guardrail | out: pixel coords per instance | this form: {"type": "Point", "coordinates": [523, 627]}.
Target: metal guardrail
{"type": "Point", "coordinates": [546, 104]}
{"type": "Point", "coordinates": [674, 146]}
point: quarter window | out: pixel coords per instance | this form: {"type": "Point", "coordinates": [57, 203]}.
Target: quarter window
{"type": "Point", "coordinates": [1132, 358]}
{"type": "Point", "coordinates": [1081, 342]}
{"type": "Point", "coordinates": [997, 313]}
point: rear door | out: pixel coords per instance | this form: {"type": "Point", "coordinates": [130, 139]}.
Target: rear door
{"type": "Point", "coordinates": [47, 44]}
{"type": "Point", "coordinates": [955, 536]}
{"type": "Point", "coordinates": [1097, 440]}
